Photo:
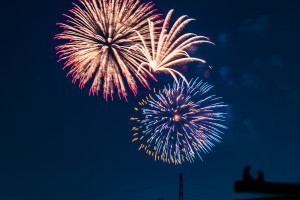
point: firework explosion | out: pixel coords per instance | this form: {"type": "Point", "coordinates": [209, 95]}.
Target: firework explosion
{"type": "Point", "coordinates": [171, 47]}
{"type": "Point", "coordinates": [179, 122]}
{"type": "Point", "coordinates": [99, 39]}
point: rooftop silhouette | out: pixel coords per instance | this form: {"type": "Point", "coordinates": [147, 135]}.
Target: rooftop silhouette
{"type": "Point", "coordinates": [259, 185]}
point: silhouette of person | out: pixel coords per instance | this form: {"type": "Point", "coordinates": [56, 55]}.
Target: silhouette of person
{"type": "Point", "coordinates": [246, 175]}
{"type": "Point", "coordinates": [260, 176]}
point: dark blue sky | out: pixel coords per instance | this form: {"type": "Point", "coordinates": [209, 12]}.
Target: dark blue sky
{"type": "Point", "coordinates": [58, 143]}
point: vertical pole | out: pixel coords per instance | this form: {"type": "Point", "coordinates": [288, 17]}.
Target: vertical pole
{"type": "Point", "coordinates": [180, 187]}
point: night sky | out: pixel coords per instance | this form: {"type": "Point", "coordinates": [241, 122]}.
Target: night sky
{"type": "Point", "coordinates": [59, 143]}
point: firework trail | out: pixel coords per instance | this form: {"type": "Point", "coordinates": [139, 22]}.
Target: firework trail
{"type": "Point", "coordinates": [169, 48]}
{"type": "Point", "coordinates": [179, 122]}
{"type": "Point", "coordinates": [99, 39]}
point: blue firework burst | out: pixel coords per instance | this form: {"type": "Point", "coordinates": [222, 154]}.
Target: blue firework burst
{"type": "Point", "coordinates": [180, 122]}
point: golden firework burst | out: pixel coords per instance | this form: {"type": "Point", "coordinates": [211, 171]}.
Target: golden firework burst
{"type": "Point", "coordinates": [100, 35]}
{"type": "Point", "coordinates": [169, 48]}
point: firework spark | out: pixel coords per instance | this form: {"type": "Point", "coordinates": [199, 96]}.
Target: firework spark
{"type": "Point", "coordinates": [171, 47]}
{"type": "Point", "coordinates": [100, 36]}
{"type": "Point", "coordinates": [180, 122]}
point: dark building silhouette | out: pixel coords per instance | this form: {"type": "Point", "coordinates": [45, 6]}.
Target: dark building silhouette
{"type": "Point", "coordinates": [251, 185]}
